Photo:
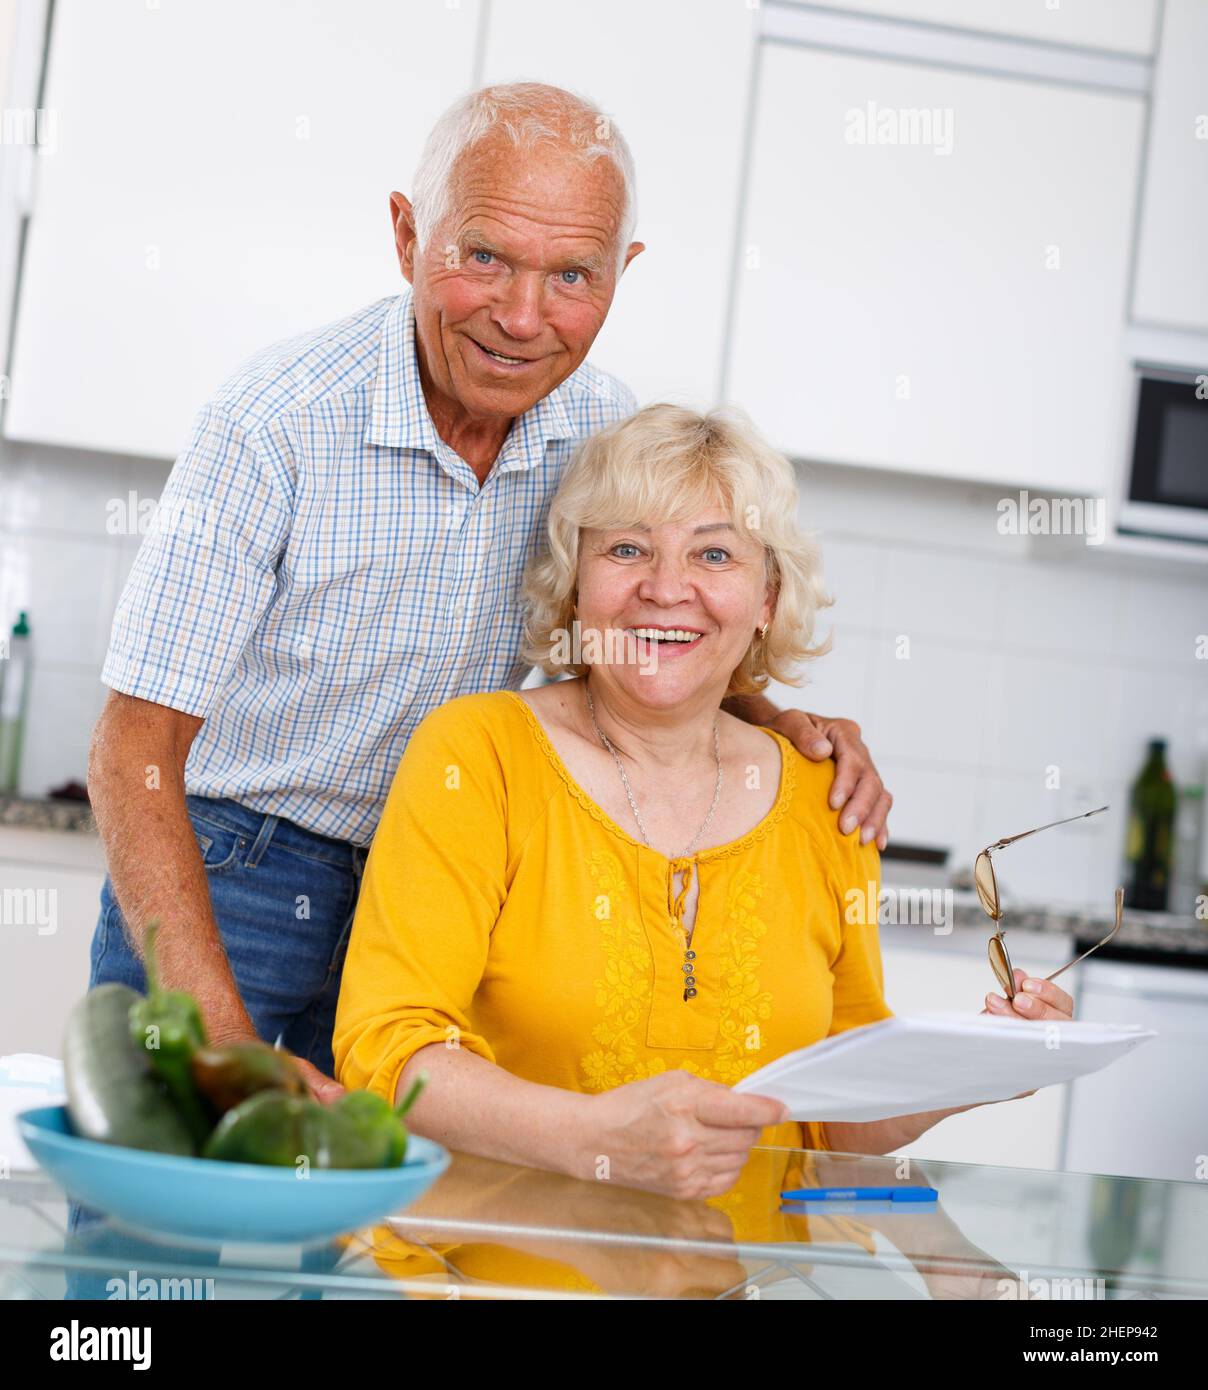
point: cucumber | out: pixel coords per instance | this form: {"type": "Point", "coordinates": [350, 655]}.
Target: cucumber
{"type": "Point", "coordinates": [113, 1095]}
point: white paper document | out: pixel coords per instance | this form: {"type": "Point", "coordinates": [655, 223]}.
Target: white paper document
{"type": "Point", "coordinates": [932, 1061]}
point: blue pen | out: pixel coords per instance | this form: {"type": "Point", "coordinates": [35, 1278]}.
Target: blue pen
{"type": "Point", "coordinates": [860, 1194]}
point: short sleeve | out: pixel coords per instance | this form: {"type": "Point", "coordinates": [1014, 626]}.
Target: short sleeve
{"type": "Point", "coordinates": [205, 572]}
{"type": "Point", "coordinates": [433, 888]}
{"type": "Point", "coordinates": [859, 988]}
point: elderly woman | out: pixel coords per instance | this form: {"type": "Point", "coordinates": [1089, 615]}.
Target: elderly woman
{"type": "Point", "coordinates": [593, 907]}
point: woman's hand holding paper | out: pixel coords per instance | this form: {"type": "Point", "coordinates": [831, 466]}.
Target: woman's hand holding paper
{"type": "Point", "coordinates": [1036, 999]}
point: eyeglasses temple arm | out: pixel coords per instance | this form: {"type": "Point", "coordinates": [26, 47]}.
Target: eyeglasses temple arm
{"type": "Point", "coordinates": [1023, 834]}
{"type": "Point", "coordinates": [1095, 947]}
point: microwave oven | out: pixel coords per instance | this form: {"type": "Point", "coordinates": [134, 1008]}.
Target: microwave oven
{"type": "Point", "coordinates": [1166, 492]}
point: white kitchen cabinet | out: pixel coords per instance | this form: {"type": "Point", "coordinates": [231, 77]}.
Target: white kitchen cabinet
{"type": "Point", "coordinates": [50, 888]}
{"type": "Point", "coordinates": [675, 75]}
{"type": "Point", "coordinates": [953, 313]}
{"type": "Point", "coordinates": [1146, 1116]}
{"type": "Point", "coordinates": [925, 973]}
{"type": "Point", "coordinates": [22, 31]}
{"type": "Point", "coordinates": [1120, 26]}
{"type": "Point", "coordinates": [1172, 268]}
{"type": "Point", "coordinates": [218, 179]}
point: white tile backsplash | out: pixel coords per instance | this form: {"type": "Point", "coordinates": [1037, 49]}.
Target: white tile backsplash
{"type": "Point", "coordinates": [47, 491]}
{"type": "Point", "coordinates": [1061, 607]}
{"type": "Point", "coordinates": [1163, 621]}
{"type": "Point", "coordinates": [946, 594]}
{"type": "Point", "coordinates": [1023, 658]}
{"type": "Point", "coordinates": [837, 683]}
{"type": "Point", "coordinates": [63, 707]}
{"type": "Point", "coordinates": [1047, 712]}
{"type": "Point", "coordinates": [1019, 659]}
{"type": "Point", "coordinates": [854, 581]}
{"type": "Point", "coordinates": [1059, 866]}
{"type": "Point", "coordinates": [932, 806]}
{"type": "Point", "coordinates": [929, 701]}
{"type": "Point", "coordinates": [68, 585]}
{"type": "Point", "coordinates": [1152, 702]}
{"type": "Point", "coordinates": [61, 562]}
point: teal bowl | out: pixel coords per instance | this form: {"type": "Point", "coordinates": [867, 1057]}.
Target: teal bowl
{"type": "Point", "coordinates": [205, 1199]}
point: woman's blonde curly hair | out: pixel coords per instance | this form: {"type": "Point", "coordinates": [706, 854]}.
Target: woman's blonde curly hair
{"type": "Point", "coordinates": [667, 463]}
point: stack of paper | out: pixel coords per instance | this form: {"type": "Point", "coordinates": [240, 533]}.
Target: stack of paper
{"type": "Point", "coordinates": [934, 1061]}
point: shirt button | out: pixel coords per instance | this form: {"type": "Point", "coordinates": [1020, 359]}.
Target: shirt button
{"type": "Point", "coordinates": [459, 610]}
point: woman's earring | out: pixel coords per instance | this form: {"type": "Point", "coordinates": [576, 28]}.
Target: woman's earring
{"type": "Point", "coordinates": [763, 631]}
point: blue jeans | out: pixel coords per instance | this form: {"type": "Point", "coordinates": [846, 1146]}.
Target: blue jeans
{"type": "Point", "coordinates": [283, 898]}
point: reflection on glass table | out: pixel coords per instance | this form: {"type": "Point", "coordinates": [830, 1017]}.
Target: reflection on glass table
{"type": "Point", "coordinates": [492, 1230]}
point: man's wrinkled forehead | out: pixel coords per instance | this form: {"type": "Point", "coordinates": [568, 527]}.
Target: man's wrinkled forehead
{"type": "Point", "coordinates": [497, 185]}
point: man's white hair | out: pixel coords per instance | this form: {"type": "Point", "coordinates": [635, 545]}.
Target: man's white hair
{"type": "Point", "coordinates": [528, 113]}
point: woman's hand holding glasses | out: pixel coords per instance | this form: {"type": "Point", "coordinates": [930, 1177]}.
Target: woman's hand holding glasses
{"type": "Point", "coordinates": [1027, 996]}
{"type": "Point", "coordinates": [1035, 999]}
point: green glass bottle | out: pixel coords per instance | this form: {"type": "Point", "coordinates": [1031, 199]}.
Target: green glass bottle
{"type": "Point", "coordinates": [1150, 833]}
{"type": "Point", "coordinates": [14, 702]}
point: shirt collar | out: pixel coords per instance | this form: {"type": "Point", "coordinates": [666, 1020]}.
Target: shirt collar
{"type": "Point", "coordinates": [399, 416]}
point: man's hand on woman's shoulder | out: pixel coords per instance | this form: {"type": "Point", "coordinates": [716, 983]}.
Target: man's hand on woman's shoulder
{"type": "Point", "coordinates": [857, 789]}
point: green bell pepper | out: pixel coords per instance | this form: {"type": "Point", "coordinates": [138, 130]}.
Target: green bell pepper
{"type": "Point", "coordinates": [167, 1024]}
{"type": "Point", "coordinates": [360, 1130]}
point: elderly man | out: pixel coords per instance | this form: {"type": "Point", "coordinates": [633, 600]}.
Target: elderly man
{"type": "Point", "coordinates": [376, 488]}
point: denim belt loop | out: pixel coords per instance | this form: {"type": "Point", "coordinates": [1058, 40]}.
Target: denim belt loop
{"type": "Point", "coordinates": [262, 840]}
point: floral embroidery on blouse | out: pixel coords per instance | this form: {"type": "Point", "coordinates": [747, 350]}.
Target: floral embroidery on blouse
{"type": "Point", "coordinates": [744, 1006]}
{"type": "Point", "coordinates": [624, 991]}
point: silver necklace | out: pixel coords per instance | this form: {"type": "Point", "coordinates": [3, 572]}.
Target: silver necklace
{"type": "Point", "coordinates": [689, 967]}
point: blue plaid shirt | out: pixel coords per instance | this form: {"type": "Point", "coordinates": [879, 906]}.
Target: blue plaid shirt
{"type": "Point", "coordinates": [325, 569]}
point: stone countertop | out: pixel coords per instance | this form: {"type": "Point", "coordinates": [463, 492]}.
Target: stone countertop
{"type": "Point", "coordinates": [40, 813]}
{"type": "Point", "coordinates": [1183, 939]}
{"type": "Point", "coordinates": [1151, 935]}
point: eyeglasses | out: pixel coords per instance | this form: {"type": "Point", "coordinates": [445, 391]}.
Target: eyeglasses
{"type": "Point", "coordinates": [987, 891]}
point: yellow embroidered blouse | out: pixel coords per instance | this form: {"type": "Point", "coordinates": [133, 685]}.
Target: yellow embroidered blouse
{"type": "Point", "coordinates": [503, 911]}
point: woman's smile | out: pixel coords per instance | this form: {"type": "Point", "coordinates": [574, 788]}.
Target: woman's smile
{"type": "Point", "coordinates": [660, 643]}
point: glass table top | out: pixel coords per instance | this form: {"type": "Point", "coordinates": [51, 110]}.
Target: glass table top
{"type": "Point", "coordinates": [489, 1230]}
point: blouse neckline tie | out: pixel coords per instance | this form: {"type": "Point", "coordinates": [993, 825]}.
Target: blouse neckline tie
{"type": "Point", "coordinates": [676, 902]}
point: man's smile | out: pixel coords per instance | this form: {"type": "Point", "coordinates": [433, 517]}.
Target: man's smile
{"type": "Point", "coordinates": [504, 360]}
